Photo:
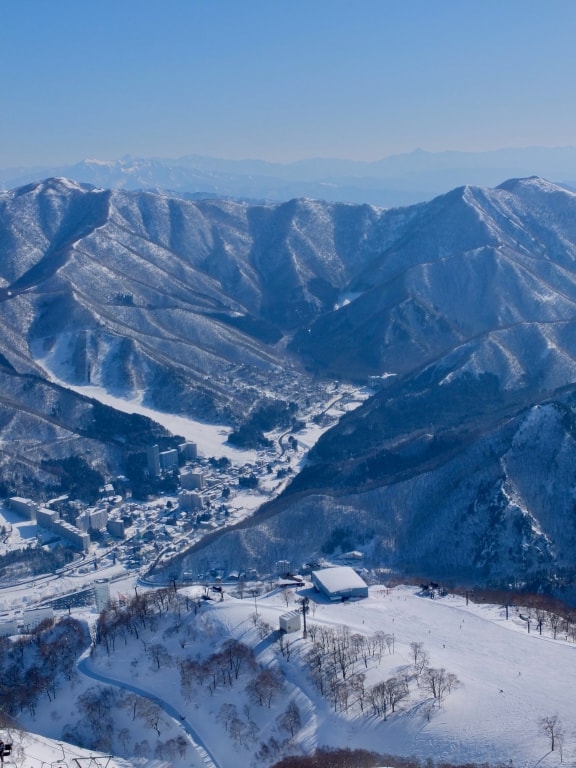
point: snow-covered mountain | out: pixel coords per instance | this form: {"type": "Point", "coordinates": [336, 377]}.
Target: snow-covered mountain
{"type": "Point", "coordinates": [402, 179]}
{"type": "Point", "coordinates": [461, 460]}
{"type": "Point", "coordinates": [117, 288]}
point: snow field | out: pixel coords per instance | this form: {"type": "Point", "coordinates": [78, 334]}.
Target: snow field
{"type": "Point", "coordinates": [509, 680]}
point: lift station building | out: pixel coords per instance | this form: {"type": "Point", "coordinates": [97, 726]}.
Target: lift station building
{"type": "Point", "coordinates": [339, 583]}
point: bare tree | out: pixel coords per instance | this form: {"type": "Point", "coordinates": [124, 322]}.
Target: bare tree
{"type": "Point", "coordinates": [390, 642]}
{"type": "Point", "coordinates": [252, 731]}
{"type": "Point", "coordinates": [182, 745]}
{"type": "Point", "coordinates": [555, 622]}
{"type": "Point", "coordinates": [288, 595]}
{"type": "Point", "coordinates": [142, 748]}
{"type": "Point", "coordinates": [167, 749]}
{"type": "Point", "coordinates": [341, 651]}
{"type": "Point", "coordinates": [560, 744]}
{"type": "Point", "coordinates": [124, 738]}
{"type": "Point", "coordinates": [378, 698]}
{"type": "Point", "coordinates": [396, 690]}
{"type": "Point", "coordinates": [226, 714]}
{"type": "Point", "coordinates": [238, 655]}
{"type": "Point", "coordinates": [269, 750]}
{"type": "Point", "coordinates": [185, 667]}
{"type": "Point", "coordinates": [312, 628]}
{"type": "Point", "coordinates": [417, 649]}
{"type": "Point", "coordinates": [220, 670]}
{"type": "Point", "coordinates": [360, 648]}
{"type": "Point", "coordinates": [552, 728]}
{"type": "Point", "coordinates": [238, 731]}
{"type": "Point", "coordinates": [159, 655]}
{"type": "Point", "coordinates": [152, 714]}
{"type": "Point", "coordinates": [130, 701]}
{"type": "Point", "coordinates": [281, 640]}
{"type": "Point", "coordinates": [357, 688]}
{"type": "Point", "coordinates": [97, 703]}
{"type": "Point", "coordinates": [382, 640]}
{"type": "Point", "coordinates": [421, 661]}
{"type": "Point", "coordinates": [291, 719]}
{"type": "Point", "coordinates": [263, 628]}
{"type": "Point", "coordinates": [316, 662]}
{"type": "Point", "coordinates": [439, 682]}
{"type": "Point", "coordinates": [263, 687]}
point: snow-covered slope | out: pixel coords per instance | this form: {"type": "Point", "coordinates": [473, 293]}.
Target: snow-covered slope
{"type": "Point", "coordinates": [144, 292]}
{"type": "Point", "coordinates": [469, 300]}
{"type": "Point", "coordinates": [507, 681]}
{"type": "Point", "coordinates": [34, 750]}
{"type": "Point", "coordinates": [492, 507]}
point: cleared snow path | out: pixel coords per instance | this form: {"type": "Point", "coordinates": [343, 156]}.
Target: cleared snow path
{"type": "Point", "coordinates": [206, 759]}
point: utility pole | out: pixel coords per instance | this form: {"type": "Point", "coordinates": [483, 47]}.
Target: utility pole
{"type": "Point", "coordinates": [305, 602]}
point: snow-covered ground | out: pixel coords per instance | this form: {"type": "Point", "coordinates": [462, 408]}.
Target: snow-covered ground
{"type": "Point", "coordinates": [509, 681]}
{"type": "Point", "coordinates": [31, 750]}
{"type": "Point", "coordinates": [210, 438]}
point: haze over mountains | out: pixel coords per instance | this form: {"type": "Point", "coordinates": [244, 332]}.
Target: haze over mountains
{"type": "Point", "coordinates": [396, 180]}
{"type": "Point", "coordinates": [462, 464]}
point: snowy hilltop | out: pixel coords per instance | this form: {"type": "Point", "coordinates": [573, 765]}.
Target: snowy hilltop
{"type": "Point", "coordinates": [180, 679]}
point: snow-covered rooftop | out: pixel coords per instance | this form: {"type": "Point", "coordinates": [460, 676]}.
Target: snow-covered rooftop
{"type": "Point", "coordinates": [340, 578]}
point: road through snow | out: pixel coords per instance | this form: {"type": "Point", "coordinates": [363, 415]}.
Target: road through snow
{"type": "Point", "coordinates": [206, 759]}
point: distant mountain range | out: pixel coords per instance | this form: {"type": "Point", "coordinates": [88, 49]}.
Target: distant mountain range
{"type": "Point", "coordinates": [393, 181]}
{"type": "Point", "coordinates": [462, 463]}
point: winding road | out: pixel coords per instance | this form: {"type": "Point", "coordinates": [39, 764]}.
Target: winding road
{"type": "Point", "coordinates": [205, 758]}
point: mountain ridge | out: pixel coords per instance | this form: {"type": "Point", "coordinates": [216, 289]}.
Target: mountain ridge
{"type": "Point", "coordinates": [469, 301]}
{"type": "Point", "coordinates": [402, 179]}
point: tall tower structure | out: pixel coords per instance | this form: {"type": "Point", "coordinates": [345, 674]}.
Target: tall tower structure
{"type": "Point", "coordinates": [153, 454]}
{"type": "Point", "coordinates": [101, 594]}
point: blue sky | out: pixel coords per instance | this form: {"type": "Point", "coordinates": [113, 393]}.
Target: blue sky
{"type": "Point", "coordinates": [282, 79]}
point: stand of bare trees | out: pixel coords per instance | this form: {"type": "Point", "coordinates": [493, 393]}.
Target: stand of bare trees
{"type": "Point", "coordinates": [99, 726]}
{"type": "Point", "coordinates": [262, 688]}
{"type": "Point", "coordinates": [33, 665]}
{"type": "Point", "coordinates": [542, 613]}
{"type": "Point", "coordinates": [337, 660]}
{"type": "Point", "coordinates": [142, 612]}
{"type": "Point", "coordinates": [327, 757]}
{"type": "Point", "coordinates": [221, 668]}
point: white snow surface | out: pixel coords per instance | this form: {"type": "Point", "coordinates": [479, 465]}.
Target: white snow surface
{"type": "Point", "coordinates": [210, 438]}
{"type": "Point", "coordinates": [509, 680]}
{"type": "Point", "coordinates": [35, 751]}
{"type": "Point", "coordinates": [339, 578]}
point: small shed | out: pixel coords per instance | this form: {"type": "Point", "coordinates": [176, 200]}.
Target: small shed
{"type": "Point", "coordinates": [339, 583]}
{"type": "Point", "coordinates": [290, 622]}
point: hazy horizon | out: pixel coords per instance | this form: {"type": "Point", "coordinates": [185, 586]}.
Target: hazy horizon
{"type": "Point", "coordinates": [320, 158]}
{"type": "Point", "coordinates": [332, 79]}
